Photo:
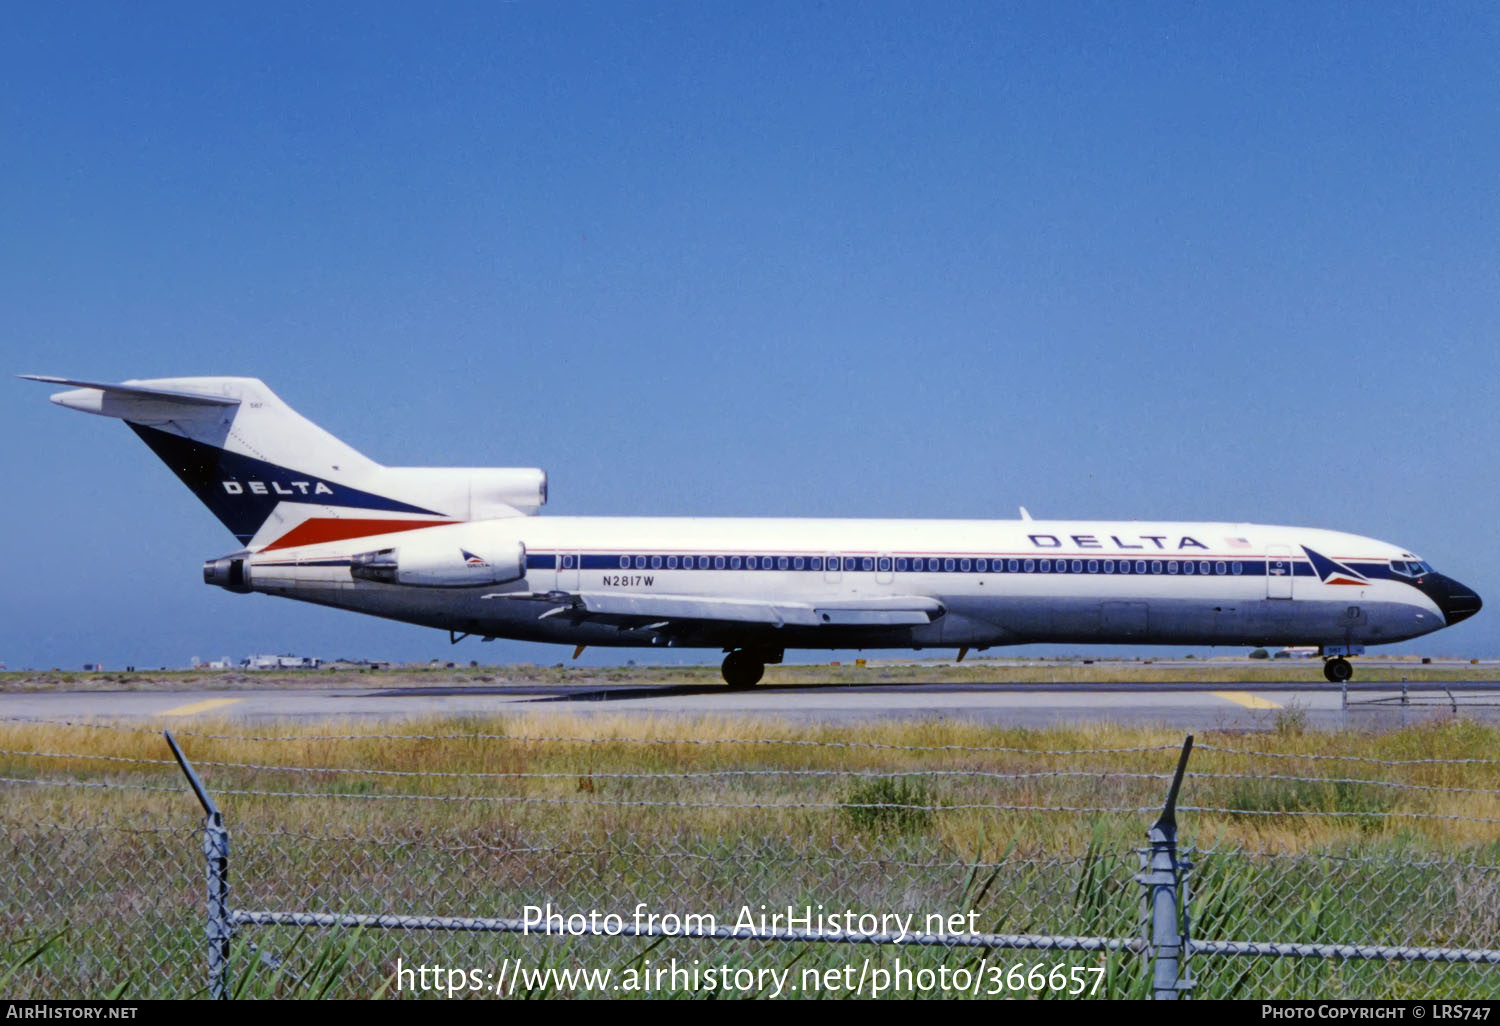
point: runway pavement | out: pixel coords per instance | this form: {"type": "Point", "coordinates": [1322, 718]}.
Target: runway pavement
{"type": "Point", "coordinates": [1186, 705]}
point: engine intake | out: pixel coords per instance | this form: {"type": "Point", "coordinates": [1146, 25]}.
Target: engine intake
{"type": "Point", "coordinates": [437, 563]}
{"type": "Point", "coordinates": [471, 493]}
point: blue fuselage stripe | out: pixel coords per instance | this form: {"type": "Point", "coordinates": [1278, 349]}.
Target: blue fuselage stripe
{"type": "Point", "coordinates": [1090, 563]}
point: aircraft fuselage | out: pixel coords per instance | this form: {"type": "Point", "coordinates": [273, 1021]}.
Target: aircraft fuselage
{"type": "Point", "coordinates": [997, 582]}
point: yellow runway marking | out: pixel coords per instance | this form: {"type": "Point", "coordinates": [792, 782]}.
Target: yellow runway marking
{"type": "Point", "coordinates": [200, 707]}
{"type": "Point", "coordinates": [1248, 700]}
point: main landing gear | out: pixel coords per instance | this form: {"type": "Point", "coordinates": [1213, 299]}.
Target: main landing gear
{"type": "Point", "coordinates": [743, 668]}
{"type": "Point", "coordinates": [1337, 670]}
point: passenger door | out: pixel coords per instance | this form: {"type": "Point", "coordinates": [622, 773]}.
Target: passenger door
{"type": "Point", "coordinates": [1278, 572]}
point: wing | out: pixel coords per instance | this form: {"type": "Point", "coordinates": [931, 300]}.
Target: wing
{"type": "Point", "coordinates": [631, 610]}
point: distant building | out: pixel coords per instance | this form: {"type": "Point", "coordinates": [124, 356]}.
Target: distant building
{"type": "Point", "coordinates": [282, 662]}
{"type": "Point", "coordinates": [358, 664]}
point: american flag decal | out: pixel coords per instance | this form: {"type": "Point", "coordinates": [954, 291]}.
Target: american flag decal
{"type": "Point", "coordinates": [1237, 543]}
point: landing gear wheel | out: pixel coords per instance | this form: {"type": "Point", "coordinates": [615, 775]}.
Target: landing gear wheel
{"type": "Point", "coordinates": [1337, 670]}
{"type": "Point", "coordinates": [742, 669]}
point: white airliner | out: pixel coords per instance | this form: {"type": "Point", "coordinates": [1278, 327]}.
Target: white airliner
{"type": "Point", "coordinates": [459, 549]}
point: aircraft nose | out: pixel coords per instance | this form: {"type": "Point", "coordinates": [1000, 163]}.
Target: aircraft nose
{"type": "Point", "coordinates": [1457, 602]}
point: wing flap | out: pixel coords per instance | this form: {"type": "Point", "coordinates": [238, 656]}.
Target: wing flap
{"type": "Point", "coordinates": [628, 608]}
{"type": "Point", "coordinates": [846, 617]}
{"type": "Point", "coordinates": [693, 607]}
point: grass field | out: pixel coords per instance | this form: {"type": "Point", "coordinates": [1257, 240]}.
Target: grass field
{"type": "Point", "coordinates": [583, 772]}
{"type": "Point", "coordinates": [1349, 837]}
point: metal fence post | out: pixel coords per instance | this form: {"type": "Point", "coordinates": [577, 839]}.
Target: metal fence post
{"type": "Point", "coordinates": [216, 858]}
{"type": "Point", "coordinates": [216, 862]}
{"type": "Point", "coordinates": [1161, 877]}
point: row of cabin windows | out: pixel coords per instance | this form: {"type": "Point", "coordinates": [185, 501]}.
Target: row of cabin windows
{"type": "Point", "coordinates": [931, 564]}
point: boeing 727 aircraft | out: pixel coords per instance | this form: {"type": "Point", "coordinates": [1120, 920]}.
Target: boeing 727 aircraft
{"type": "Point", "coordinates": [460, 549]}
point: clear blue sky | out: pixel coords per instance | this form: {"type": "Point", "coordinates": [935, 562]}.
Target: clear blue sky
{"type": "Point", "coordinates": [1217, 261]}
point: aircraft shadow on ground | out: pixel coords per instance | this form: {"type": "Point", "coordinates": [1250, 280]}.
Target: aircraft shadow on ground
{"type": "Point", "coordinates": [544, 694]}
{"type": "Point", "coordinates": [539, 694]}
{"type": "Point", "coordinates": [622, 692]}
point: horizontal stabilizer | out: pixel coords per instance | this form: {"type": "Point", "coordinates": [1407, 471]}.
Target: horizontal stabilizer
{"type": "Point", "coordinates": [119, 400]}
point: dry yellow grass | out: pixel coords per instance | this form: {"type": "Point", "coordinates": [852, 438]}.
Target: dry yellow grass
{"type": "Point", "coordinates": [587, 779]}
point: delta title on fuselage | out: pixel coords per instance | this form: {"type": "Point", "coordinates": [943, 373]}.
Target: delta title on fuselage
{"type": "Point", "coordinates": [460, 549]}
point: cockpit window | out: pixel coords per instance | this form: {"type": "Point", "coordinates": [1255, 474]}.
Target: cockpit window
{"type": "Point", "coordinates": [1411, 567]}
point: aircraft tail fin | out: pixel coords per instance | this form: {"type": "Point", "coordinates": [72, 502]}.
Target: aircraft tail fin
{"type": "Point", "coordinates": [276, 479]}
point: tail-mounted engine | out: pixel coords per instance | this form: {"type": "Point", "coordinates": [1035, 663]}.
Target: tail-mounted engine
{"type": "Point", "coordinates": [440, 563]}
{"type": "Point", "coordinates": [228, 573]}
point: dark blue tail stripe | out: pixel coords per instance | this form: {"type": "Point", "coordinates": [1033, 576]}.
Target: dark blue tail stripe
{"type": "Point", "coordinates": [242, 491]}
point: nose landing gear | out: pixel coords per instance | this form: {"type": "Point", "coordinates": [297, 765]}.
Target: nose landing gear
{"type": "Point", "coordinates": [1337, 670]}
{"type": "Point", "coordinates": [1335, 667]}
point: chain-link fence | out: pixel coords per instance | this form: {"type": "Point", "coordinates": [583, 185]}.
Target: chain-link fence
{"type": "Point", "coordinates": [948, 870]}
